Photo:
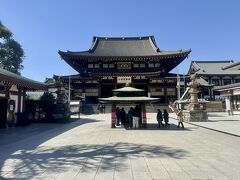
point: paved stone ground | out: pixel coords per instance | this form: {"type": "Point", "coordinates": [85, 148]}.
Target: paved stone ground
{"type": "Point", "coordinates": [221, 121]}
{"type": "Point", "coordinates": [89, 149]}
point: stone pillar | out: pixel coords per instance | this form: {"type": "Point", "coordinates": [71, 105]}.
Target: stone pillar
{"type": "Point", "coordinates": [144, 117]}
{"type": "Point", "coordinates": [193, 99]}
{"type": "Point", "coordinates": [113, 116]}
{"type": "Point", "coordinates": [194, 105]}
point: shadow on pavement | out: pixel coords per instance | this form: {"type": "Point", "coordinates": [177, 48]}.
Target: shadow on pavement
{"type": "Point", "coordinates": [154, 126]}
{"type": "Point", "coordinates": [28, 138]}
{"type": "Point", "coordinates": [87, 157]}
{"type": "Point", "coordinates": [18, 133]}
{"type": "Point", "coordinates": [223, 120]}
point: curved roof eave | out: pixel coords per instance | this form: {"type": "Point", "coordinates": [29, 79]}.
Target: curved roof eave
{"type": "Point", "coordinates": [116, 99]}
{"type": "Point", "coordinates": [86, 54]}
{"type": "Point", "coordinates": [128, 89]}
{"type": "Point", "coordinates": [12, 78]}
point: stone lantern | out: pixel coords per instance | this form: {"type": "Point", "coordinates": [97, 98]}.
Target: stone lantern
{"type": "Point", "coordinates": [196, 111]}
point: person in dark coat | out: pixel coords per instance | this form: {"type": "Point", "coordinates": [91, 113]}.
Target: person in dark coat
{"type": "Point", "coordinates": [117, 111]}
{"type": "Point", "coordinates": [130, 117]}
{"type": "Point", "coordinates": [166, 117]}
{"type": "Point", "coordinates": [103, 108]}
{"type": "Point", "coordinates": [123, 117]}
{"type": "Point", "coordinates": [159, 118]}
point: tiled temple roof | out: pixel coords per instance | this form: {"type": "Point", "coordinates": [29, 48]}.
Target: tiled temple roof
{"type": "Point", "coordinates": [214, 67]}
{"type": "Point", "coordinates": [11, 78]}
{"type": "Point", "coordinates": [123, 47]}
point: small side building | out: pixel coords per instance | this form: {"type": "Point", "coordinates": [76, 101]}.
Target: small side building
{"type": "Point", "coordinates": [13, 90]}
{"type": "Point", "coordinates": [231, 93]}
{"type": "Point", "coordinates": [217, 73]}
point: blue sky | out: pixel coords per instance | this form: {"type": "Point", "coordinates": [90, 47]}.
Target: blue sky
{"type": "Point", "coordinates": [211, 28]}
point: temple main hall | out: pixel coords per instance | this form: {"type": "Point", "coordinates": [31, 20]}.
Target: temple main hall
{"type": "Point", "coordinates": [111, 62]}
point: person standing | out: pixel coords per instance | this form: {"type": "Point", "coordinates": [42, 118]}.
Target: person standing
{"type": "Point", "coordinates": [180, 118]}
{"type": "Point", "coordinates": [123, 117]}
{"type": "Point", "coordinates": [166, 117]}
{"type": "Point", "coordinates": [103, 108]}
{"type": "Point", "coordinates": [228, 106]}
{"type": "Point", "coordinates": [130, 117]}
{"type": "Point", "coordinates": [117, 111]}
{"type": "Point", "coordinates": [159, 118]}
{"type": "Point", "coordinates": [98, 108]}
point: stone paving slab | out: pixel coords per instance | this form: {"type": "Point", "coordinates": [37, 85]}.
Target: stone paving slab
{"type": "Point", "coordinates": [222, 122]}
{"type": "Point", "coordinates": [89, 149]}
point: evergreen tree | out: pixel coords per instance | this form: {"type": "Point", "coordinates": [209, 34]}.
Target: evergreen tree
{"type": "Point", "coordinates": [11, 52]}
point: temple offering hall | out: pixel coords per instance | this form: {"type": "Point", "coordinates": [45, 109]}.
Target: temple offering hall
{"type": "Point", "coordinates": [111, 62]}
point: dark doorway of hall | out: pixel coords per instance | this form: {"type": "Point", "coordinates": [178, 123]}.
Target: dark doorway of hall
{"type": "Point", "coordinates": [106, 90]}
{"type": "Point", "coordinates": [3, 113]}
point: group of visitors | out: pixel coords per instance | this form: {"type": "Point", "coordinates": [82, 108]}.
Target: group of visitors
{"type": "Point", "coordinates": [131, 119]}
{"type": "Point", "coordinates": [162, 116]}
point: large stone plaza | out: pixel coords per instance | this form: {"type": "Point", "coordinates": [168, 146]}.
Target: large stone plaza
{"type": "Point", "coordinates": [119, 90]}
{"type": "Point", "coordinates": [88, 148]}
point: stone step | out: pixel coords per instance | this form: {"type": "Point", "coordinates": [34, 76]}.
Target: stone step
{"type": "Point", "coordinates": [93, 108]}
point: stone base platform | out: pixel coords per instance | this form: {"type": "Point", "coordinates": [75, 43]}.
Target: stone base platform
{"type": "Point", "coordinates": [195, 115]}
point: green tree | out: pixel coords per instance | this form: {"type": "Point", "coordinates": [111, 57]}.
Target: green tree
{"type": "Point", "coordinates": [48, 97]}
{"type": "Point", "coordinates": [11, 52]}
{"type": "Point", "coordinates": [47, 105]}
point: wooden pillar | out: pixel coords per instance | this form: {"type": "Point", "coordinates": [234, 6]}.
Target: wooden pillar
{"type": "Point", "coordinates": [24, 101]}
{"type": "Point", "coordinates": [113, 117]}
{"type": "Point", "coordinates": [221, 81]}
{"type": "Point", "coordinates": [210, 92]}
{"type": "Point", "coordinates": [148, 84]}
{"type": "Point", "coordinates": [8, 87]}
{"type": "Point", "coordinates": [165, 92]}
{"type": "Point", "coordinates": [83, 87]}
{"type": "Point", "coordinates": [115, 83]}
{"type": "Point", "coordinates": [84, 91]}
{"type": "Point", "coordinates": [210, 88]}
{"type": "Point", "coordinates": [99, 88]}
{"type": "Point", "coordinates": [144, 116]}
{"type": "Point", "coordinates": [18, 106]}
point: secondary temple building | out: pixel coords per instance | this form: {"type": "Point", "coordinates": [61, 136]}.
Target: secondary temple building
{"type": "Point", "coordinates": [217, 74]}
{"type": "Point", "coordinates": [13, 90]}
{"type": "Point", "coordinates": [112, 62]}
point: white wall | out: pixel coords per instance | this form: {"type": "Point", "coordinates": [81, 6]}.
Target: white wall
{"type": "Point", "coordinates": [14, 88]}
{"type": "Point", "coordinates": [2, 95]}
